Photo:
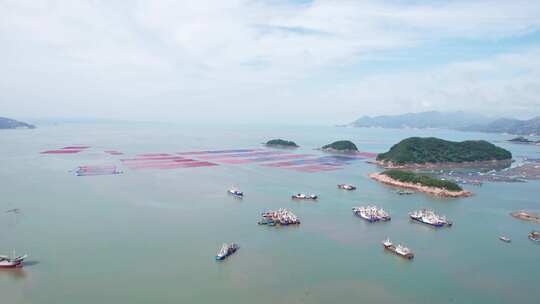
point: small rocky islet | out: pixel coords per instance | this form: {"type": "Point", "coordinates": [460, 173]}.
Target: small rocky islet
{"type": "Point", "coordinates": [281, 143]}
{"type": "Point", "coordinates": [343, 146]}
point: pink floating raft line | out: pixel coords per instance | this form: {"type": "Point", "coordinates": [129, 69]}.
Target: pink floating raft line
{"type": "Point", "coordinates": [233, 161]}
{"type": "Point", "coordinates": [364, 154]}
{"type": "Point", "coordinates": [153, 154]}
{"type": "Point", "coordinates": [315, 168]}
{"type": "Point", "coordinates": [113, 152]}
{"type": "Point", "coordinates": [156, 158]}
{"type": "Point", "coordinates": [175, 165]}
{"type": "Point", "coordinates": [76, 147]}
{"type": "Point", "coordinates": [137, 165]}
{"type": "Point", "coordinates": [259, 159]}
{"type": "Point", "coordinates": [97, 170]}
{"type": "Point", "coordinates": [280, 157]}
{"type": "Point", "coordinates": [242, 155]}
{"type": "Point", "coordinates": [68, 151]}
{"type": "Point", "coordinates": [292, 163]}
{"type": "Point", "coordinates": [217, 151]}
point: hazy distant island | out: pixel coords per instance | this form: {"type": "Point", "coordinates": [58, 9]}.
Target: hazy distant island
{"type": "Point", "coordinates": [426, 152]}
{"type": "Point", "coordinates": [421, 183]}
{"type": "Point", "coordinates": [510, 126]}
{"type": "Point", "coordinates": [422, 120]}
{"type": "Point", "coordinates": [281, 143]}
{"type": "Point", "coordinates": [522, 140]}
{"type": "Point", "coordinates": [340, 146]}
{"type": "Point", "coordinates": [461, 121]}
{"type": "Point", "coordinates": [8, 123]}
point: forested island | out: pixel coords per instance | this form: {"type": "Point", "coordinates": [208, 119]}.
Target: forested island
{"type": "Point", "coordinates": [281, 143]}
{"type": "Point", "coordinates": [8, 123]}
{"type": "Point", "coordinates": [340, 146]}
{"type": "Point", "coordinates": [419, 182]}
{"type": "Point", "coordinates": [431, 151]}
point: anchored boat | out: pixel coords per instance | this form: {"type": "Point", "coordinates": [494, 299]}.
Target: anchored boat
{"type": "Point", "coordinates": [399, 250]}
{"type": "Point", "coordinates": [346, 187]}
{"type": "Point", "coordinates": [304, 196]}
{"type": "Point", "coordinates": [429, 217]}
{"type": "Point", "coordinates": [226, 250]}
{"type": "Point", "coordinates": [281, 216]}
{"type": "Point", "coordinates": [534, 236]}
{"type": "Point", "coordinates": [236, 192]}
{"type": "Point", "coordinates": [505, 239]}
{"type": "Point", "coordinates": [404, 192]}
{"type": "Point", "coordinates": [371, 213]}
{"type": "Point", "coordinates": [13, 262]}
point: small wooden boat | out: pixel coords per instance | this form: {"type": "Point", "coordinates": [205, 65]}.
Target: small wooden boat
{"type": "Point", "coordinates": [15, 262]}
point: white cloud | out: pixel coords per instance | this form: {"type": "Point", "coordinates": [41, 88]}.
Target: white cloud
{"type": "Point", "coordinates": [179, 59]}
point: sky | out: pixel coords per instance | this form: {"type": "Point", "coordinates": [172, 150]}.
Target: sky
{"type": "Point", "coordinates": [267, 61]}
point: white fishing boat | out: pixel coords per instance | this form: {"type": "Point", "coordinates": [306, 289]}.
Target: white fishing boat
{"type": "Point", "coordinates": [346, 187]}
{"type": "Point", "coordinates": [505, 239]}
{"type": "Point", "coordinates": [226, 250]}
{"type": "Point", "coordinates": [236, 192]}
{"type": "Point", "coordinates": [429, 217]}
{"type": "Point", "coordinates": [371, 213]}
{"type": "Point", "coordinates": [304, 196]}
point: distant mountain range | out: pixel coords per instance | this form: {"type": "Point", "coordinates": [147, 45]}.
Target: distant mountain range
{"type": "Point", "coordinates": [8, 123]}
{"type": "Point", "coordinates": [452, 120]}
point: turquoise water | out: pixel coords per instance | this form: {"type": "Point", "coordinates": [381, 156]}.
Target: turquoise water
{"type": "Point", "coordinates": [150, 236]}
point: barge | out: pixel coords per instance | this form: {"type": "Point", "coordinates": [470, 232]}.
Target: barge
{"type": "Point", "coordinates": [399, 250]}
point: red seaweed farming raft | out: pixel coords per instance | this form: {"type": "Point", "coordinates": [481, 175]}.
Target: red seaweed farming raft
{"type": "Point", "coordinates": [66, 150]}
{"type": "Point", "coordinates": [97, 170]}
{"type": "Point", "coordinates": [163, 161]}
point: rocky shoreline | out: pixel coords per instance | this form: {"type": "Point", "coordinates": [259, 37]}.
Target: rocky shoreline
{"type": "Point", "coordinates": [417, 187]}
{"type": "Point", "coordinates": [526, 216]}
{"type": "Point", "coordinates": [477, 164]}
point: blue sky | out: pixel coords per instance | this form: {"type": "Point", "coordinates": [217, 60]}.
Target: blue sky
{"type": "Point", "coordinates": [267, 61]}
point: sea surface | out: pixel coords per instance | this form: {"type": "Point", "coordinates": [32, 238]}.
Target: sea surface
{"type": "Point", "coordinates": [150, 236]}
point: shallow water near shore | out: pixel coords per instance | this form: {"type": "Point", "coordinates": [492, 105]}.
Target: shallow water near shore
{"type": "Point", "coordinates": [150, 236]}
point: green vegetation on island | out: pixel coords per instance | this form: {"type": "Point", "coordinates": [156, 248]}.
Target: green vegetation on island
{"type": "Point", "coordinates": [431, 150]}
{"type": "Point", "coordinates": [341, 146]}
{"type": "Point", "coordinates": [281, 143]}
{"type": "Point", "coordinates": [424, 180]}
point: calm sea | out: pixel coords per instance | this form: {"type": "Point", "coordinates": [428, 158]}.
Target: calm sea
{"type": "Point", "coordinates": [150, 236]}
